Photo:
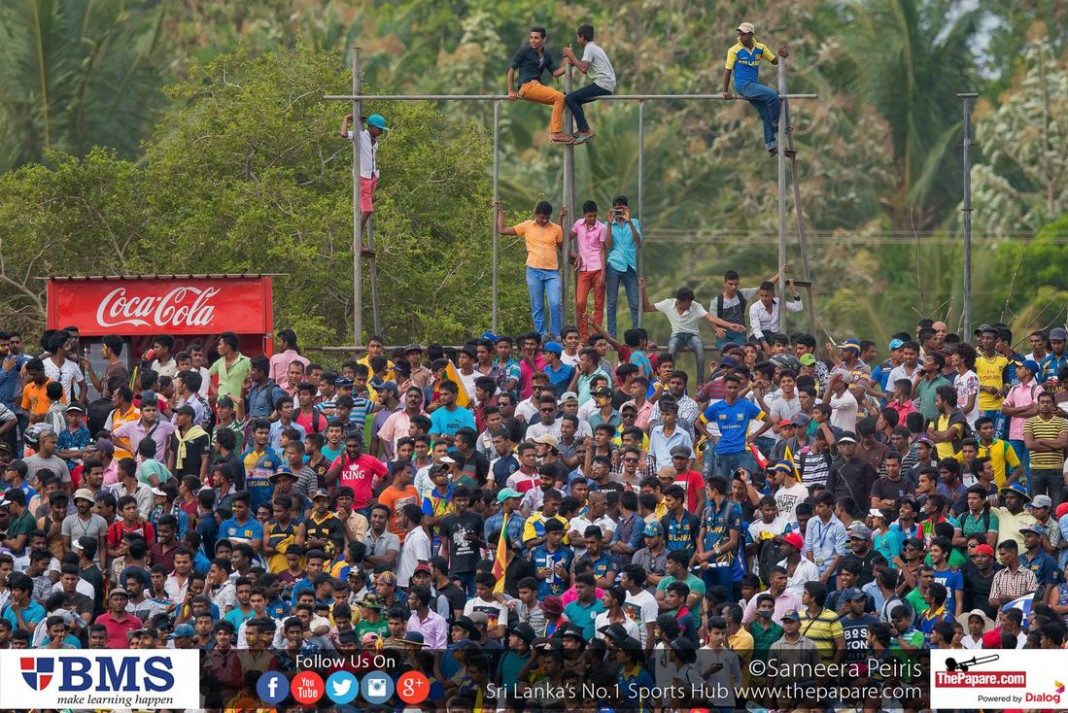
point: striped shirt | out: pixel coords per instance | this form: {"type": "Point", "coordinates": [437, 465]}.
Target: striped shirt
{"type": "Point", "coordinates": [1039, 427]}
{"type": "Point", "coordinates": [822, 630]}
{"type": "Point", "coordinates": [1009, 584]}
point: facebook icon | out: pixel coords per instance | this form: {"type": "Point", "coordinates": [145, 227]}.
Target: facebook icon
{"type": "Point", "coordinates": [272, 687]}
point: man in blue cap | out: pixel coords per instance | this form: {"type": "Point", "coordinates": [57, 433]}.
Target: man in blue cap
{"type": "Point", "coordinates": [376, 126]}
{"type": "Point", "coordinates": [1056, 359]}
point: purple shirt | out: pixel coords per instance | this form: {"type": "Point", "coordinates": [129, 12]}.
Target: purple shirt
{"type": "Point", "coordinates": [590, 241]}
{"type": "Point", "coordinates": [434, 629]}
{"type": "Point", "coordinates": [135, 432]}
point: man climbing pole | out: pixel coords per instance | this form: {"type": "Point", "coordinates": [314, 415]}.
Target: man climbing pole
{"type": "Point", "coordinates": [743, 60]}
{"type": "Point", "coordinates": [376, 126]}
{"type": "Point", "coordinates": [532, 61]}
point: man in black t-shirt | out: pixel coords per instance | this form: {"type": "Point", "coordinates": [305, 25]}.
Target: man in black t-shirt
{"type": "Point", "coordinates": [462, 533]}
{"type": "Point", "coordinates": [978, 573]}
{"type": "Point", "coordinates": [447, 587]}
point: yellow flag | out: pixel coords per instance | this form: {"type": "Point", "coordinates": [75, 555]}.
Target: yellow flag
{"type": "Point", "coordinates": [462, 397]}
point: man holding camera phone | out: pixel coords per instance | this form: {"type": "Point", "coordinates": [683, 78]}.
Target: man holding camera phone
{"type": "Point", "coordinates": [624, 239]}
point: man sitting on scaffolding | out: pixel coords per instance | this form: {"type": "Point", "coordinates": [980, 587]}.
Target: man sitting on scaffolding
{"type": "Point", "coordinates": [532, 61]}
{"type": "Point", "coordinates": [743, 60]}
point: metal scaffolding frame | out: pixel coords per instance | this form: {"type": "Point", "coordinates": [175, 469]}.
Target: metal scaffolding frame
{"type": "Point", "coordinates": [568, 189]}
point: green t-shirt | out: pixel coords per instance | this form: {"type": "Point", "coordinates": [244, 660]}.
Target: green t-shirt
{"type": "Point", "coordinates": [380, 627]}
{"type": "Point", "coordinates": [763, 639]}
{"type": "Point", "coordinates": [153, 467]}
{"type": "Point", "coordinates": [24, 524]}
{"type": "Point", "coordinates": [695, 583]}
{"type": "Point", "coordinates": [915, 600]}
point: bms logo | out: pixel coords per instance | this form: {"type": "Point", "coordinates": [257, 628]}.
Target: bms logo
{"type": "Point", "coordinates": [113, 674]}
{"type": "Point", "coordinates": [37, 673]}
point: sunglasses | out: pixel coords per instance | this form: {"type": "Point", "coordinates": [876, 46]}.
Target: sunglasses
{"type": "Point", "coordinates": [630, 460]}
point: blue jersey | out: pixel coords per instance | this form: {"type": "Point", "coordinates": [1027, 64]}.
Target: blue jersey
{"type": "Point", "coordinates": [247, 531]}
{"type": "Point", "coordinates": [733, 422]}
{"type": "Point", "coordinates": [258, 468]}
{"type": "Point", "coordinates": [745, 62]}
{"type": "Point", "coordinates": [544, 560]}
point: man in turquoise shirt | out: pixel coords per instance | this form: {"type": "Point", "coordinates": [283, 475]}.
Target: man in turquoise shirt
{"type": "Point", "coordinates": [624, 239]}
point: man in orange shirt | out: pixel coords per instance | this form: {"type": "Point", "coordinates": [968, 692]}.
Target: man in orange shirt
{"type": "Point", "coordinates": [400, 492]}
{"type": "Point", "coordinates": [543, 240]}
{"type": "Point", "coordinates": [35, 401]}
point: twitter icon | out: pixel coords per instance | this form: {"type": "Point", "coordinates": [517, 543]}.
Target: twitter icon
{"type": "Point", "coordinates": [342, 687]}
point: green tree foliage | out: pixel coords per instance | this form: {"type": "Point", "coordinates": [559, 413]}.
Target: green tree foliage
{"type": "Point", "coordinates": [1024, 183]}
{"type": "Point", "coordinates": [76, 74]}
{"type": "Point", "coordinates": [251, 176]}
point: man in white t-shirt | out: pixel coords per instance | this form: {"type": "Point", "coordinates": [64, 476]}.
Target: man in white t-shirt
{"type": "Point", "coordinates": [843, 404]}
{"type": "Point", "coordinates": [595, 64]}
{"type": "Point", "coordinates": [685, 314]}
{"type": "Point", "coordinates": [640, 605]}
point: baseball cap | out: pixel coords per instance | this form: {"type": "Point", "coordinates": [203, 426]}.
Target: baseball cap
{"type": "Point", "coordinates": [847, 437]}
{"type": "Point", "coordinates": [983, 550]}
{"type": "Point", "coordinates": [896, 344]}
{"type": "Point", "coordinates": [794, 539]}
{"type": "Point", "coordinates": [14, 495]}
{"type": "Point", "coordinates": [925, 439]}
{"type": "Point", "coordinates": [729, 362]}
{"type": "Point", "coordinates": [343, 381]}
{"type": "Point", "coordinates": [75, 408]}
{"type": "Point", "coordinates": [807, 360]}
{"type": "Point", "coordinates": [547, 439]}
{"type": "Point", "coordinates": [745, 27]}
{"type": "Point", "coordinates": [377, 121]}
{"type": "Point", "coordinates": [851, 344]}
{"type": "Point", "coordinates": [800, 420]}
{"type": "Point", "coordinates": [1057, 334]}
{"type": "Point", "coordinates": [568, 396]}
{"type": "Point", "coordinates": [225, 402]}
{"type": "Point", "coordinates": [853, 595]}
{"type": "Point", "coordinates": [859, 531]}
{"type": "Point", "coordinates": [320, 493]}
{"type": "Point", "coordinates": [422, 567]}
{"type": "Point", "coordinates": [120, 591]}
{"type": "Point", "coordinates": [1031, 365]}
{"type": "Point", "coordinates": [414, 348]}
{"type": "Point", "coordinates": [1041, 501]}
{"type": "Point", "coordinates": [786, 423]}
{"type": "Point", "coordinates": [186, 409]}
{"type": "Point", "coordinates": [791, 615]}
{"type": "Point", "coordinates": [105, 446]}
{"type": "Point", "coordinates": [554, 347]}
{"type": "Point", "coordinates": [524, 631]}
{"type": "Point", "coordinates": [653, 529]}
{"type": "Point", "coordinates": [1033, 530]}
{"type": "Point", "coordinates": [182, 631]}
{"type": "Point", "coordinates": [149, 397]}
{"type": "Point", "coordinates": [507, 493]}
{"type": "Point", "coordinates": [1062, 509]}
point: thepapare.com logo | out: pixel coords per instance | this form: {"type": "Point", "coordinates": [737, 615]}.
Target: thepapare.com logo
{"type": "Point", "coordinates": [142, 679]}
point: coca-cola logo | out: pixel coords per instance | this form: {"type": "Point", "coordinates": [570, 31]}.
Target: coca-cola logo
{"type": "Point", "coordinates": [181, 307]}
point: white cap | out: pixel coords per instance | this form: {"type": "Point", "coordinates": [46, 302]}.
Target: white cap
{"type": "Point", "coordinates": [746, 27]}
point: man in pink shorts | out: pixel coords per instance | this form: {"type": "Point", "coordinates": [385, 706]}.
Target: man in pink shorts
{"type": "Point", "coordinates": [376, 126]}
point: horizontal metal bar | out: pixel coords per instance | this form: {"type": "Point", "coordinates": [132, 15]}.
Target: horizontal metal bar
{"type": "Point", "coordinates": [504, 97]}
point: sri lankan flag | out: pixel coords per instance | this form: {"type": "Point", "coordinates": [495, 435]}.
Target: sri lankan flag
{"type": "Point", "coordinates": [500, 560]}
{"type": "Point", "coordinates": [463, 399]}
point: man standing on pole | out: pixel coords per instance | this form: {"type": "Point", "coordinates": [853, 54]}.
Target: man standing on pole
{"type": "Point", "coordinates": [376, 126]}
{"type": "Point", "coordinates": [532, 61]}
{"type": "Point", "coordinates": [743, 60]}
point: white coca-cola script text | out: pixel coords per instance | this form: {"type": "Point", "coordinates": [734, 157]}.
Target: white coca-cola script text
{"type": "Point", "coordinates": [181, 307]}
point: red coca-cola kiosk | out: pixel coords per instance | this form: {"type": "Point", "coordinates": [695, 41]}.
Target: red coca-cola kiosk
{"type": "Point", "coordinates": [190, 308]}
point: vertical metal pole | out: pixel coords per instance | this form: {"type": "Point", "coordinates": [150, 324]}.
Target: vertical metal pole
{"type": "Point", "coordinates": [781, 154]}
{"type": "Point", "coordinates": [802, 242]}
{"type": "Point", "coordinates": [641, 190]}
{"type": "Point", "coordinates": [568, 199]}
{"type": "Point", "coordinates": [372, 259]}
{"type": "Point", "coordinates": [496, 197]}
{"type": "Point", "coordinates": [967, 209]}
{"type": "Point", "coordinates": [357, 238]}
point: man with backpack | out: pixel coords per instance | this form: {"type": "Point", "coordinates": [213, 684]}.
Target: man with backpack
{"type": "Point", "coordinates": [732, 304]}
